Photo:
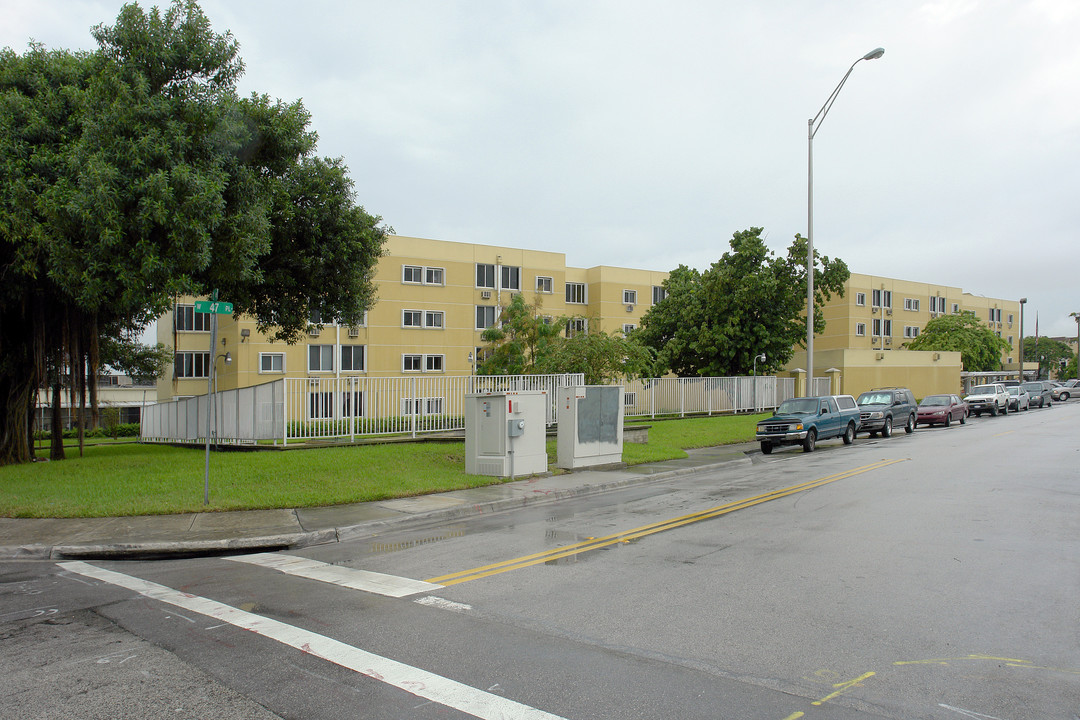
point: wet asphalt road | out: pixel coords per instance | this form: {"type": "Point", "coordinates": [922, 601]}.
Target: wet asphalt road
{"type": "Point", "coordinates": [925, 576]}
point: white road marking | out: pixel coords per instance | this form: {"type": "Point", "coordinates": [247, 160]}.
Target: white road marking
{"type": "Point", "coordinates": [968, 713]}
{"type": "Point", "coordinates": [405, 677]}
{"type": "Point", "coordinates": [389, 585]}
{"type": "Point", "coordinates": [442, 603]}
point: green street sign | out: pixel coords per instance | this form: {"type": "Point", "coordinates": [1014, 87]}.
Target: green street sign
{"type": "Point", "coordinates": [216, 307]}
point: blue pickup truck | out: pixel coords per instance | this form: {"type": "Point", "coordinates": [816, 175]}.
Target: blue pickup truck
{"type": "Point", "coordinates": [804, 421]}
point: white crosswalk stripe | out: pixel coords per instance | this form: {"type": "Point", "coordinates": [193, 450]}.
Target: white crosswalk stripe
{"type": "Point", "coordinates": [373, 582]}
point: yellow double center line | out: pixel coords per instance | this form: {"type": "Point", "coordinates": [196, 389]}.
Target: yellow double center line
{"type": "Point", "coordinates": [597, 543]}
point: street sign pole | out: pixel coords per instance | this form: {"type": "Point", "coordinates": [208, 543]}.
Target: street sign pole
{"type": "Point", "coordinates": [209, 402]}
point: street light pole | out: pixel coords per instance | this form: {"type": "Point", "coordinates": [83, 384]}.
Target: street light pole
{"type": "Point", "coordinates": [1023, 301]}
{"type": "Point", "coordinates": [1076, 316]}
{"type": "Point", "coordinates": [813, 125]}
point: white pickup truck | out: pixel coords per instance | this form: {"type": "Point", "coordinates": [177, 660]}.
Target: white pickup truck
{"type": "Point", "coordinates": [992, 398]}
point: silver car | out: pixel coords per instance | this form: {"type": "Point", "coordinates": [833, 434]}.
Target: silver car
{"type": "Point", "coordinates": [1019, 398]}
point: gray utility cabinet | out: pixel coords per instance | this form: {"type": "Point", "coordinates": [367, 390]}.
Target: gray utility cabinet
{"type": "Point", "coordinates": [506, 433]}
{"type": "Point", "coordinates": [590, 426]}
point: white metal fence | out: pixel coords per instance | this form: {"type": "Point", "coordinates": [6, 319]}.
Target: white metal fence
{"type": "Point", "coordinates": [299, 409]}
{"type": "Point", "coordinates": [709, 396]}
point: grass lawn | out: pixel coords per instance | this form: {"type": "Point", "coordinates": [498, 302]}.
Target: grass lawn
{"type": "Point", "coordinates": [135, 479]}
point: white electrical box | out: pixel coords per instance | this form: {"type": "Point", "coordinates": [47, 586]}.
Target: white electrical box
{"type": "Point", "coordinates": [590, 426]}
{"type": "Point", "coordinates": [506, 433]}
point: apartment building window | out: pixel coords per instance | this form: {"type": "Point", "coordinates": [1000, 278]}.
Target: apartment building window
{"type": "Point", "coordinates": [415, 362]}
{"type": "Point", "coordinates": [575, 293]}
{"type": "Point", "coordinates": [886, 327]}
{"type": "Point", "coordinates": [485, 275]}
{"type": "Point", "coordinates": [422, 406]}
{"type": "Point", "coordinates": [937, 304]}
{"type": "Point", "coordinates": [546, 319]}
{"type": "Point", "coordinates": [352, 358]}
{"type": "Point", "coordinates": [511, 277]}
{"type": "Point", "coordinates": [881, 298]}
{"type": "Point", "coordinates": [320, 358]}
{"type": "Point", "coordinates": [1010, 341]}
{"type": "Point", "coordinates": [875, 327]}
{"type": "Point", "coordinates": [192, 365]}
{"type": "Point", "coordinates": [352, 404]}
{"type": "Point", "coordinates": [544, 284]}
{"type": "Point", "coordinates": [187, 320]}
{"type": "Point", "coordinates": [1010, 319]}
{"type": "Point", "coordinates": [271, 362]}
{"type": "Point", "coordinates": [860, 329]}
{"type": "Point", "coordinates": [628, 328]}
{"type": "Point", "coordinates": [315, 317]}
{"type": "Point", "coordinates": [911, 303]}
{"type": "Point", "coordinates": [320, 405]}
{"type": "Point", "coordinates": [995, 314]}
{"type": "Point", "coordinates": [956, 308]}
{"type": "Point", "coordinates": [658, 294]}
{"type": "Point", "coordinates": [422, 318]}
{"type": "Point", "coordinates": [911, 331]}
{"type": "Point", "coordinates": [629, 297]}
{"type": "Point", "coordinates": [485, 316]}
{"type": "Point", "coordinates": [576, 326]}
{"type": "Point", "coordinates": [860, 299]}
{"type": "Point", "coordinates": [418, 275]}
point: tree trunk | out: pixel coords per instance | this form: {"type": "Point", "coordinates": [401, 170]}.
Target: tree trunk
{"type": "Point", "coordinates": [56, 430]}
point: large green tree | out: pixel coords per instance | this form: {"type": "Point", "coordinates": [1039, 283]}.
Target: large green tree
{"type": "Point", "coordinates": [751, 301]}
{"type": "Point", "coordinates": [1052, 355]}
{"type": "Point", "coordinates": [980, 348]}
{"type": "Point", "coordinates": [136, 173]}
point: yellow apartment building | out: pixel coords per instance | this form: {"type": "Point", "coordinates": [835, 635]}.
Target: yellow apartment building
{"type": "Point", "coordinates": [880, 313]}
{"type": "Point", "coordinates": [436, 297]}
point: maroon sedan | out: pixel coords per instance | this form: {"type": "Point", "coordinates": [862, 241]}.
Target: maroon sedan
{"type": "Point", "coordinates": [941, 410]}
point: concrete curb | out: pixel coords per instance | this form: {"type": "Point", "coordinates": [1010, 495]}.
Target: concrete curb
{"type": "Point", "coordinates": [307, 538]}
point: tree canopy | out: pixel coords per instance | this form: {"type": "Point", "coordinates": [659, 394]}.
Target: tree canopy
{"type": "Point", "coordinates": [1052, 355]}
{"type": "Point", "coordinates": [980, 348]}
{"type": "Point", "coordinates": [135, 173]}
{"type": "Point", "coordinates": [751, 301]}
{"type": "Point", "coordinates": [525, 343]}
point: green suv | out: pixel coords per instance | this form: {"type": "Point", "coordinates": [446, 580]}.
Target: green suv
{"type": "Point", "coordinates": [882, 409]}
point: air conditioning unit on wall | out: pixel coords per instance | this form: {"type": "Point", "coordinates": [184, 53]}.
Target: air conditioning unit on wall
{"type": "Point", "coordinates": [313, 332]}
{"type": "Point", "coordinates": [485, 294]}
{"type": "Point", "coordinates": [629, 308]}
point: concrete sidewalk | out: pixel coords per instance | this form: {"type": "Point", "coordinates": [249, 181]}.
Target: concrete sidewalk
{"type": "Point", "coordinates": [223, 532]}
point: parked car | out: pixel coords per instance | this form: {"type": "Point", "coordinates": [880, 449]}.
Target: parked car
{"type": "Point", "coordinates": [992, 398]}
{"type": "Point", "coordinates": [882, 409]}
{"type": "Point", "coordinates": [1019, 399]}
{"type": "Point", "coordinates": [1070, 389]}
{"type": "Point", "coordinates": [804, 421]}
{"type": "Point", "coordinates": [941, 410]}
{"type": "Point", "coordinates": [1040, 393]}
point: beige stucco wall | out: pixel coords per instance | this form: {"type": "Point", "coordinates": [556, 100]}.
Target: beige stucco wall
{"type": "Point", "coordinates": [925, 373]}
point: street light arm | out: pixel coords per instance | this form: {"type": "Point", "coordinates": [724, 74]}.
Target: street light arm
{"type": "Point", "coordinates": [815, 123]}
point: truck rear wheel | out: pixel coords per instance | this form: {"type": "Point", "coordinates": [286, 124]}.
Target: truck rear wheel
{"type": "Point", "coordinates": [849, 434]}
{"type": "Point", "coordinates": [810, 442]}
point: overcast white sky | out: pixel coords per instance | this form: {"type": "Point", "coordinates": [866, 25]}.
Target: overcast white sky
{"type": "Point", "coordinates": [643, 134]}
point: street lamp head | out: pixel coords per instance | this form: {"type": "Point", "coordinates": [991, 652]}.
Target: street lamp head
{"type": "Point", "coordinates": [1023, 300]}
{"type": "Point", "coordinates": [874, 54]}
